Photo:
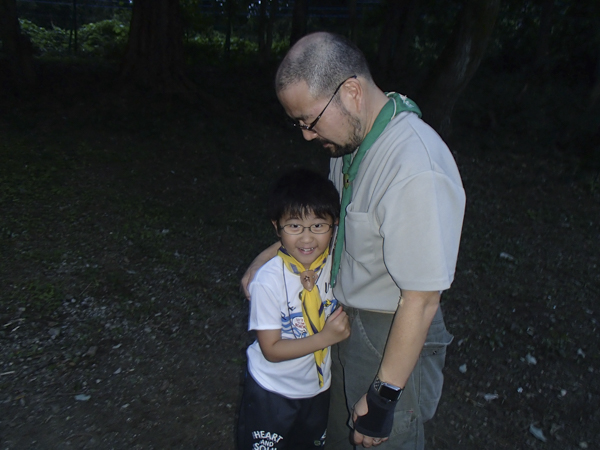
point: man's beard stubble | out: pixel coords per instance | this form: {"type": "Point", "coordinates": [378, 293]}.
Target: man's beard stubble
{"type": "Point", "coordinates": [355, 140]}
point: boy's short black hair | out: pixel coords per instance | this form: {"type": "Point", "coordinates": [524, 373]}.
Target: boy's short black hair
{"type": "Point", "coordinates": [300, 192]}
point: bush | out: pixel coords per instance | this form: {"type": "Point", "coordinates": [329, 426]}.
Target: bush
{"type": "Point", "coordinates": [106, 39]}
{"type": "Point", "coordinates": [45, 41]}
{"type": "Point", "coordinates": [209, 48]}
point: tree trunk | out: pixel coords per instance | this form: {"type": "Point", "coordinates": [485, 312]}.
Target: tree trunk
{"type": "Point", "coordinates": [353, 15]}
{"type": "Point", "coordinates": [299, 20]}
{"type": "Point", "coordinates": [457, 64]}
{"type": "Point", "coordinates": [543, 43]}
{"type": "Point", "coordinates": [16, 46]}
{"type": "Point", "coordinates": [387, 40]}
{"type": "Point", "coordinates": [262, 29]}
{"type": "Point", "coordinates": [398, 30]}
{"type": "Point", "coordinates": [406, 35]}
{"type": "Point", "coordinates": [154, 56]}
{"type": "Point", "coordinates": [270, 23]}
{"type": "Point", "coordinates": [230, 12]}
{"type": "Point", "coordinates": [595, 92]}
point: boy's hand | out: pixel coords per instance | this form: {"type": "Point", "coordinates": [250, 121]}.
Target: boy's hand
{"type": "Point", "coordinates": [337, 326]}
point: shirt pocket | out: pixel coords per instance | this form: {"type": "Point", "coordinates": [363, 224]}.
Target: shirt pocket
{"type": "Point", "coordinates": [360, 239]}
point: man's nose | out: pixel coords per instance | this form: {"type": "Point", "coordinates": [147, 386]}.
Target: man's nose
{"type": "Point", "coordinates": [309, 135]}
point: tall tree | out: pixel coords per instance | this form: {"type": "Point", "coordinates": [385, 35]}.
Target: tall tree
{"type": "Point", "coordinates": [262, 31]}
{"type": "Point", "coordinates": [299, 20]}
{"type": "Point", "coordinates": [353, 15]}
{"type": "Point", "coordinates": [154, 54]}
{"type": "Point", "coordinates": [270, 23]}
{"type": "Point", "coordinates": [545, 31]}
{"type": "Point", "coordinates": [398, 31]}
{"type": "Point", "coordinates": [230, 9]}
{"type": "Point", "coordinates": [266, 19]}
{"type": "Point", "coordinates": [16, 46]}
{"type": "Point", "coordinates": [458, 62]}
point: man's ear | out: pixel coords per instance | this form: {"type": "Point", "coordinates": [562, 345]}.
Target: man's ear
{"type": "Point", "coordinates": [336, 222]}
{"type": "Point", "coordinates": [353, 92]}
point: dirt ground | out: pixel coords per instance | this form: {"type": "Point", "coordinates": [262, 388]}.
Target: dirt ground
{"type": "Point", "coordinates": [127, 220]}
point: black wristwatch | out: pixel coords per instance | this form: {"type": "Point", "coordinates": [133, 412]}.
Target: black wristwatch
{"type": "Point", "coordinates": [387, 391]}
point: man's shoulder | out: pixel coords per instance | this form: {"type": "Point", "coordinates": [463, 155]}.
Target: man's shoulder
{"type": "Point", "coordinates": [412, 141]}
{"type": "Point", "coordinates": [408, 125]}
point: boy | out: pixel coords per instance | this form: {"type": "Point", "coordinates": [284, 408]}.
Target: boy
{"type": "Point", "coordinates": [286, 395]}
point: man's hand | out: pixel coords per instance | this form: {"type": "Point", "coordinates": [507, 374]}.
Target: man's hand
{"type": "Point", "coordinates": [259, 261]}
{"type": "Point", "coordinates": [249, 276]}
{"type": "Point", "coordinates": [360, 409]}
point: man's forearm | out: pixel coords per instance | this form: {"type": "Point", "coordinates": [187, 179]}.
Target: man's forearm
{"type": "Point", "coordinates": [263, 257]}
{"type": "Point", "coordinates": [407, 335]}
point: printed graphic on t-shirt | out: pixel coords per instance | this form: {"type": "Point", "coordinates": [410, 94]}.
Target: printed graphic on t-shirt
{"type": "Point", "coordinates": [293, 324]}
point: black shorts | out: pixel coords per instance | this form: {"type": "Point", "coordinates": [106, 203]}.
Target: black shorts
{"type": "Point", "coordinates": [269, 421]}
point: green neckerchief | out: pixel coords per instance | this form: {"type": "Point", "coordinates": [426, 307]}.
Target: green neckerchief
{"type": "Point", "coordinates": [397, 104]}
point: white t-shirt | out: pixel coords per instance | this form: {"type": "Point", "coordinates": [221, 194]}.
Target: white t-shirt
{"type": "Point", "coordinates": [276, 304]}
{"type": "Point", "coordinates": [404, 221]}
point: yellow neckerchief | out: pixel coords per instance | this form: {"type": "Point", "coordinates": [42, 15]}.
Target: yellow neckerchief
{"type": "Point", "coordinates": [313, 309]}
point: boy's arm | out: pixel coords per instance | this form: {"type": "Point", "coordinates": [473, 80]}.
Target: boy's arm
{"type": "Point", "coordinates": [264, 256]}
{"type": "Point", "coordinates": [275, 349]}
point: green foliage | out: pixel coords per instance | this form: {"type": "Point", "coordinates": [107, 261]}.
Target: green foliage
{"type": "Point", "coordinates": [46, 41]}
{"type": "Point", "coordinates": [573, 41]}
{"type": "Point", "coordinates": [193, 18]}
{"type": "Point", "coordinates": [106, 38]}
{"type": "Point", "coordinates": [208, 48]}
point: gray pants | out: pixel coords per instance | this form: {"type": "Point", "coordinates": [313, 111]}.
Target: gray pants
{"type": "Point", "coordinates": [355, 364]}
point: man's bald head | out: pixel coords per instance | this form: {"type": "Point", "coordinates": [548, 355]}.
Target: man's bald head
{"type": "Point", "coordinates": [322, 60]}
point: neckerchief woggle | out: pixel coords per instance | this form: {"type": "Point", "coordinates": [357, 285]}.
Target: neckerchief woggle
{"type": "Point", "coordinates": [313, 309]}
{"type": "Point", "coordinates": [397, 104]}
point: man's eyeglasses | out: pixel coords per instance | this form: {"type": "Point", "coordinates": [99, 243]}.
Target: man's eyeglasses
{"type": "Point", "coordinates": [310, 126]}
{"type": "Point", "coordinates": [316, 228]}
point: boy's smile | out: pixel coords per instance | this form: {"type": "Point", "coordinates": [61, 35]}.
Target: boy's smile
{"type": "Point", "coordinates": [307, 246]}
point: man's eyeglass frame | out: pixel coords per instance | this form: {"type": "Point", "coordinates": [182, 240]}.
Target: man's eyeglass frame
{"type": "Point", "coordinates": [312, 125]}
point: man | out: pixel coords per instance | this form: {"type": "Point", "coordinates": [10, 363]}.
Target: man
{"type": "Point", "coordinates": [402, 211]}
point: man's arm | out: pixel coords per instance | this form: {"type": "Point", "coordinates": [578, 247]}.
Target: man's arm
{"type": "Point", "coordinates": [275, 349]}
{"type": "Point", "coordinates": [263, 257]}
{"type": "Point", "coordinates": [405, 342]}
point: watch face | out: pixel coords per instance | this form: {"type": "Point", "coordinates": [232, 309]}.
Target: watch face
{"type": "Point", "coordinates": [389, 392]}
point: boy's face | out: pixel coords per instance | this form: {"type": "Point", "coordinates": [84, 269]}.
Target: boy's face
{"type": "Point", "coordinates": [307, 246]}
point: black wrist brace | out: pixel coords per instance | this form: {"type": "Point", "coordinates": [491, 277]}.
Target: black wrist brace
{"type": "Point", "coordinates": [379, 419]}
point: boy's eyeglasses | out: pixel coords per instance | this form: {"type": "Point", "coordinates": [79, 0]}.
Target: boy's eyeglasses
{"type": "Point", "coordinates": [310, 126]}
{"type": "Point", "coordinates": [316, 228]}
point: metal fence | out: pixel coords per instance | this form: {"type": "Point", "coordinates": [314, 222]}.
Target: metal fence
{"type": "Point", "coordinates": [68, 14]}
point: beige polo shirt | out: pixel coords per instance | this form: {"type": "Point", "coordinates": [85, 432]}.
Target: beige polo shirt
{"type": "Point", "coordinates": [404, 221]}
